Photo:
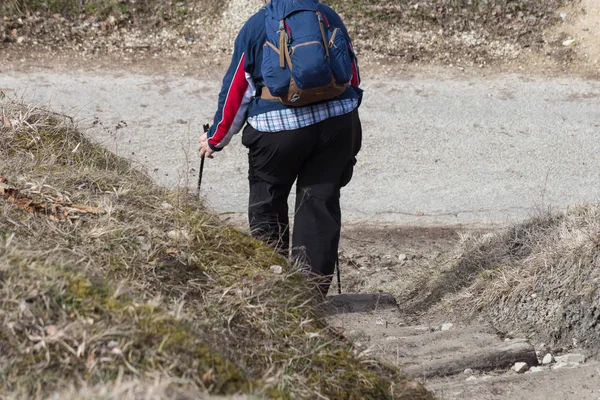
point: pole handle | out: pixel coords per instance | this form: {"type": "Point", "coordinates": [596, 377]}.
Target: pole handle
{"type": "Point", "coordinates": [205, 127]}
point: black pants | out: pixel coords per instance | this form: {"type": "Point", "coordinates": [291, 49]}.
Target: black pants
{"type": "Point", "coordinates": [321, 158]}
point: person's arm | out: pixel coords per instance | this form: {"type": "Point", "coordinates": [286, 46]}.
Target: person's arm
{"type": "Point", "coordinates": [236, 93]}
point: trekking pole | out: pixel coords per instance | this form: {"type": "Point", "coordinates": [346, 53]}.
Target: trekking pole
{"type": "Point", "coordinates": [337, 267]}
{"type": "Point", "coordinates": [206, 126]}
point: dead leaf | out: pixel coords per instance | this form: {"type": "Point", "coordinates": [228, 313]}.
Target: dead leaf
{"type": "Point", "coordinates": [207, 377]}
{"type": "Point", "coordinates": [6, 190]}
{"type": "Point", "coordinates": [6, 124]}
{"type": "Point", "coordinates": [172, 250]}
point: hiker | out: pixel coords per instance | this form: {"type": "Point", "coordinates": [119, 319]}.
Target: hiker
{"type": "Point", "coordinates": [294, 79]}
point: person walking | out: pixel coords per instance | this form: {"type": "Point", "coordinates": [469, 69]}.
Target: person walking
{"type": "Point", "coordinates": [294, 79]}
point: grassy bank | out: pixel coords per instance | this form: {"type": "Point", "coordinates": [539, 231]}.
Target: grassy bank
{"type": "Point", "coordinates": [110, 285]}
{"type": "Point", "coordinates": [539, 279]}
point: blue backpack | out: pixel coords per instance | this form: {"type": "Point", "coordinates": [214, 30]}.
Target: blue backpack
{"type": "Point", "coordinates": [305, 59]}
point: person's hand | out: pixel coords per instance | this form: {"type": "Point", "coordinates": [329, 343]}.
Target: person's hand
{"type": "Point", "coordinates": [204, 148]}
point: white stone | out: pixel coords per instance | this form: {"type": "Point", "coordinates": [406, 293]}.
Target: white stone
{"type": "Point", "coordinates": [447, 326]}
{"type": "Point", "coordinates": [471, 378]}
{"type": "Point", "coordinates": [166, 206]}
{"type": "Point", "coordinates": [180, 234]}
{"type": "Point", "coordinates": [402, 257]}
{"type": "Point", "coordinates": [468, 371]}
{"type": "Point", "coordinates": [520, 367]}
{"type": "Point", "coordinates": [276, 269]}
{"type": "Point", "coordinates": [548, 359]}
{"type": "Point", "coordinates": [571, 358]}
{"type": "Point", "coordinates": [568, 42]}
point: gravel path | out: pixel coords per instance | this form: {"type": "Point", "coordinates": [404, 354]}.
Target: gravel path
{"type": "Point", "coordinates": [439, 150]}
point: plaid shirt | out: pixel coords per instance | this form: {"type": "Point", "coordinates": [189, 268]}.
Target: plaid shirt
{"type": "Point", "coordinates": [295, 118]}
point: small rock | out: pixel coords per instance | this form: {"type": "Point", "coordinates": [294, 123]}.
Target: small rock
{"type": "Point", "coordinates": [276, 269]}
{"type": "Point", "coordinates": [166, 206]}
{"type": "Point", "coordinates": [402, 257]}
{"type": "Point", "coordinates": [471, 378]}
{"type": "Point", "coordinates": [563, 15]}
{"type": "Point", "coordinates": [520, 367]}
{"type": "Point", "coordinates": [468, 371]}
{"type": "Point", "coordinates": [548, 359]}
{"type": "Point", "coordinates": [20, 39]}
{"type": "Point", "coordinates": [571, 358]}
{"type": "Point", "coordinates": [178, 235]}
{"type": "Point", "coordinates": [568, 42]}
{"type": "Point", "coordinates": [447, 326]}
{"type": "Point", "coordinates": [112, 344]}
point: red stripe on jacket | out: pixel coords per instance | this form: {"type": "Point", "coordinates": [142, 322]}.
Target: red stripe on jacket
{"type": "Point", "coordinates": [354, 81]}
{"type": "Point", "coordinates": [235, 95]}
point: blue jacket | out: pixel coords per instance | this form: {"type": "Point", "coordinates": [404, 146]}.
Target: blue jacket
{"type": "Point", "coordinates": [238, 98]}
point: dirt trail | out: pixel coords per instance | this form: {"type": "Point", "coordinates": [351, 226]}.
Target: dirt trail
{"type": "Point", "coordinates": [438, 350]}
{"type": "Point", "coordinates": [525, 142]}
{"type": "Point", "coordinates": [440, 358]}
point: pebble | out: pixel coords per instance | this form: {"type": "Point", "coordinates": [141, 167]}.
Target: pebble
{"type": "Point", "coordinates": [402, 257]}
{"type": "Point", "coordinates": [548, 359]}
{"type": "Point", "coordinates": [447, 326]}
{"type": "Point", "coordinates": [568, 42]}
{"type": "Point", "coordinates": [468, 371]}
{"type": "Point", "coordinates": [471, 378]}
{"type": "Point", "coordinates": [180, 234]}
{"type": "Point", "coordinates": [166, 206]}
{"type": "Point", "coordinates": [571, 358]}
{"type": "Point", "coordinates": [276, 269]}
{"type": "Point", "coordinates": [520, 367]}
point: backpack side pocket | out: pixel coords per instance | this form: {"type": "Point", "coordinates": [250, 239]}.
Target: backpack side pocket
{"type": "Point", "coordinates": [341, 64]}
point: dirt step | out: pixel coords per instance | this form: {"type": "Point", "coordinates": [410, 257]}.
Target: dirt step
{"type": "Point", "coordinates": [423, 351]}
{"type": "Point", "coordinates": [484, 359]}
{"type": "Point", "coordinates": [581, 383]}
{"type": "Point", "coordinates": [360, 303]}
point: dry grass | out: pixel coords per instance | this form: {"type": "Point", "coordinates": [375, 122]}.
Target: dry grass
{"type": "Point", "coordinates": [154, 297]}
{"type": "Point", "coordinates": [539, 279]}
